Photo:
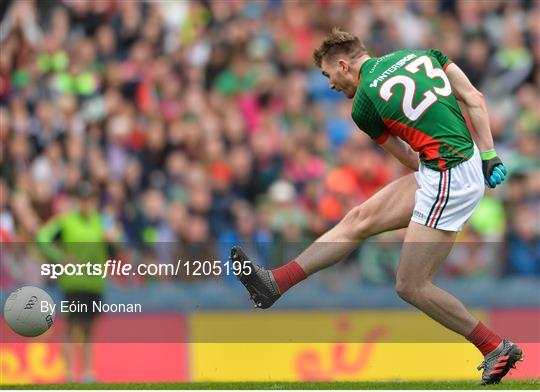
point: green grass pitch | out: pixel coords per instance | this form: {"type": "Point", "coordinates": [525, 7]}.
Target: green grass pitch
{"type": "Point", "coordinates": [527, 384]}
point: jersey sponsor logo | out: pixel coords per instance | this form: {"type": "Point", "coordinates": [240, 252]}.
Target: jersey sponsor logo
{"type": "Point", "coordinates": [379, 60]}
{"type": "Point", "coordinates": [393, 68]}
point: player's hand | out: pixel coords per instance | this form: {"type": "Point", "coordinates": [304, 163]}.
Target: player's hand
{"type": "Point", "coordinates": [493, 168]}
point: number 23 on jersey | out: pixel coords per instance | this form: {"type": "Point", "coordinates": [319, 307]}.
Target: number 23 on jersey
{"type": "Point", "coordinates": [414, 112]}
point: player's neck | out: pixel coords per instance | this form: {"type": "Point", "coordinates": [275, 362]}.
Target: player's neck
{"type": "Point", "coordinates": [358, 64]}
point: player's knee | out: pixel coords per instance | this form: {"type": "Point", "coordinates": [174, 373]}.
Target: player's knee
{"type": "Point", "coordinates": [357, 222]}
{"type": "Point", "coordinates": [407, 290]}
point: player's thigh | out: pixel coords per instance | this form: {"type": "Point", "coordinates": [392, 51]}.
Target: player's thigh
{"type": "Point", "coordinates": [424, 249]}
{"type": "Point", "coordinates": [391, 208]}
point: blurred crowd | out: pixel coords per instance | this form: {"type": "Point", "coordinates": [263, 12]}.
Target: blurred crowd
{"type": "Point", "coordinates": [206, 123]}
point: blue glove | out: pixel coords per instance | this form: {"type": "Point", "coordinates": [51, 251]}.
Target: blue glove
{"type": "Point", "coordinates": [493, 169]}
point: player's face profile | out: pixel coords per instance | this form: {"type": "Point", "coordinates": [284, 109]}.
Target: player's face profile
{"type": "Point", "coordinates": [339, 76]}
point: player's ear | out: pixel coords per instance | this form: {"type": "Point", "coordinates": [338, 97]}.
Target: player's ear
{"type": "Point", "coordinates": [343, 65]}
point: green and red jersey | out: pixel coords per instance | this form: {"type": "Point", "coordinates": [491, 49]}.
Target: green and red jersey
{"type": "Point", "coordinates": [407, 94]}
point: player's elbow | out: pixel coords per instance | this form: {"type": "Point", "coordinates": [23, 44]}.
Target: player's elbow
{"type": "Point", "coordinates": [478, 97]}
{"type": "Point", "coordinates": [475, 99]}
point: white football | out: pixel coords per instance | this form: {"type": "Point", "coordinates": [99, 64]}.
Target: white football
{"type": "Point", "coordinates": [29, 311]}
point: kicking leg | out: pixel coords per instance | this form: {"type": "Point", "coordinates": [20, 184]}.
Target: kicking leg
{"type": "Point", "coordinates": [389, 209]}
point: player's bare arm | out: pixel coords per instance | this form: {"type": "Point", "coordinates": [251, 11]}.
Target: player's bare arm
{"type": "Point", "coordinates": [402, 151]}
{"type": "Point", "coordinates": [472, 101]}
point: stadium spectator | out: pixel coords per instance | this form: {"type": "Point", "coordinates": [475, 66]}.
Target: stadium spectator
{"type": "Point", "coordinates": [524, 242]}
{"type": "Point", "coordinates": [246, 232]}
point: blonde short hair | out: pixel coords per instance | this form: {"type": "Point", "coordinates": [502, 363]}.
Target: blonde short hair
{"type": "Point", "coordinates": [339, 42]}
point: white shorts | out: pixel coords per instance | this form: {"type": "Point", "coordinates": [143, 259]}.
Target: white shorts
{"type": "Point", "coordinates": [445, 200]}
